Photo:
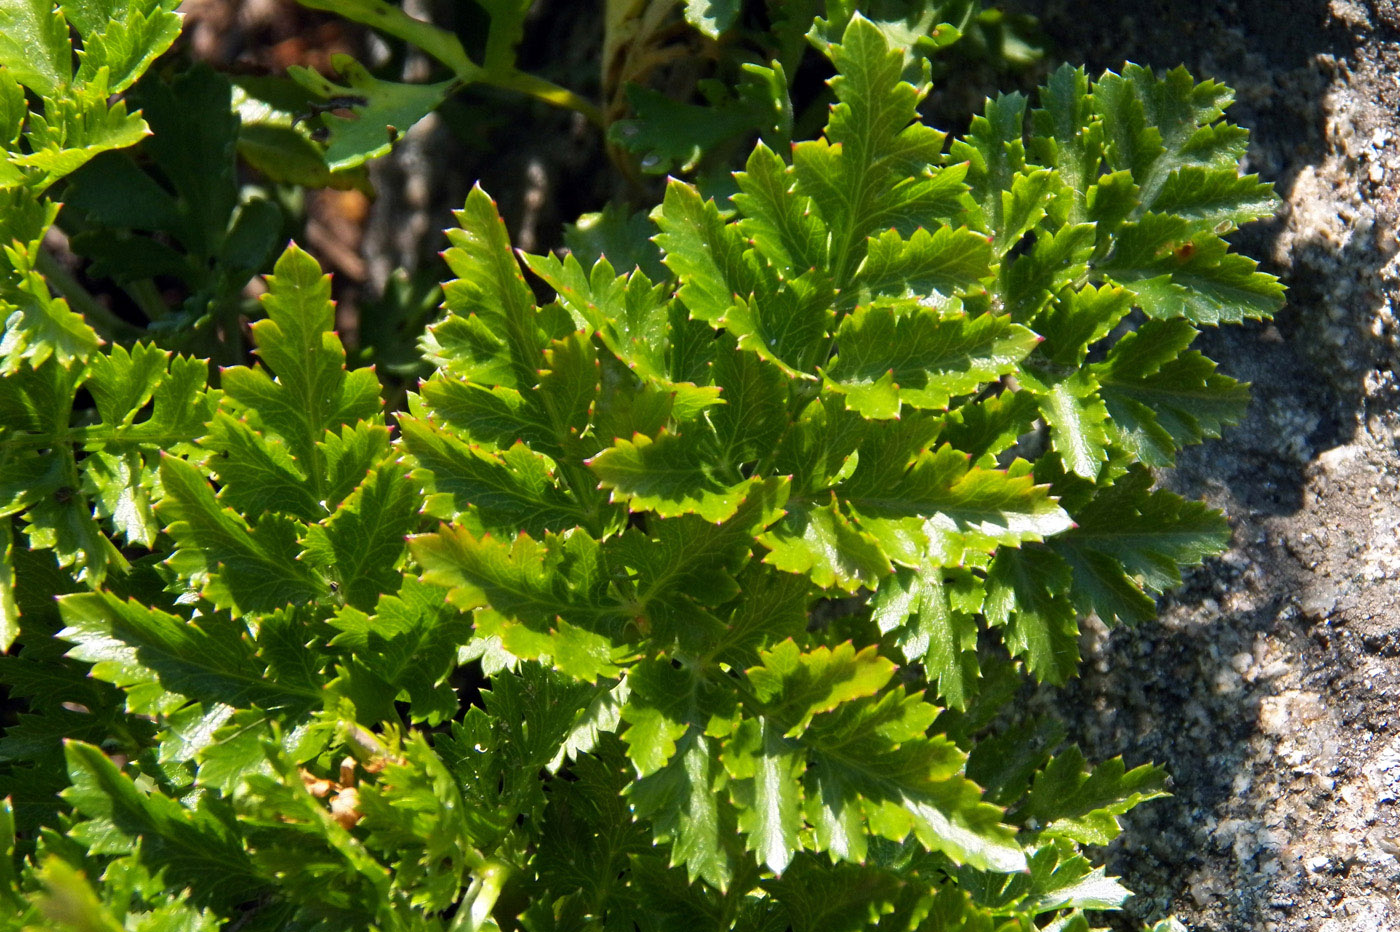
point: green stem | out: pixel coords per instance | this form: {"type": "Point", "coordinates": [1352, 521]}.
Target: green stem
{"type": "Point", "coordinates": [547, 91]}
{"type": "Point", "coordinates": [148, 298]}
{"type": "Point", "coordinates": [108, 325]}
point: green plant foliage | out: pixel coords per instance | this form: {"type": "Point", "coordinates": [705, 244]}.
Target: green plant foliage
{"type": "Point", "coordinates": [694, 595]}
{"type": "Point", "coordinates": [170, 209]}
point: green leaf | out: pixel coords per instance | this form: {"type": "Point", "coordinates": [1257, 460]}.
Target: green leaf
{"type": "Point", "coordinates": [1075, 320]}
{"type": "Point", "coordinates": [819, 897]}
{"type": "Point", "coordinates": [682, 564]}
{"type": "Point", "coordinates": [37, 325]}
{"type": "Point", "coordinates": [941, 506]}
{"type": "Point", "coordinates": [1159, 398]}
{"type": "Point", "coordinates": [1215, 199]}
{"type": "Point", "coordinates": [670, 475]}
{"type": "Point", "coordinates": [1130, 538]}
{"type": "Point", "coordinates": [72, 131]}
{"type": "Point", "coordinates": [132, 645]}
{"type": "Point", "coordinates": [499, 491]}
{"type": "Point", "coordinates": [797, 685]}
{"type": "Point", "coordinates": [1067, 136]}
{"type": "Point", "coordinates": [631, 316]}
{"type": "Point", "coordinates": [9, 608]}
{"type": "Point", "coordinates": [1152, 125]}
{"type": "Point", "coordinates": [712, 17]}
{"type": "Point", "coordinates": [238, 567]}
{"type": "Point", "coordinates": [891, 356]}
{"type": "Point", "coordinates": [493, 335]}
{"type": "Point", "coordinates": [550, 597]}
{"type": "Point", "coordinates": [937, 627]}
{"type": "Point", "coordinates": [1078, 422]}
{"type": "Point", "coordinates": [1083, 805]}
{"type": "Point", "coordinates": [1173, 271]}
{"type": "Point", "coordinates": [765, 768]}
{"type": "Point", "coordinates": [658, 713]}
{"type": "Point", "coordinates": [776, 217]}
{"type": "Point", "coordinates": [410, 643]}
{"type": "Point", "coordinates": [362, 543]}
{"type": "Point", "coordinates": [670, 135]}
{"type": "Point", "coordinates": [870, 764]}
{"type": "Point", "coordinates": [194, 846]}
{"type": "Point", "coordinates": [124, 38]}
{"type": "Point", "coordinates": [681, 804]}
{"type": "Point", "coordinates": [34, 45]}
{"type": "Point", "coordinates": [70, 903]}
{"type": "Point", "coordinates": [753, 416]}
{"type": "Point", "coordinates": [820, 541]}
{"type": "Point", "coordinates": [379, 112]}
{"type": "Point", "coordinates": [929, 267]}
{"type": "Point", "coordinates": [1027, 595]}
{"type": "Point", "coordinates": [312, 392]}
{"type": "Point", "coordinates": [873, 170]}
{"type": "Point", "coordinates": [704, 252]}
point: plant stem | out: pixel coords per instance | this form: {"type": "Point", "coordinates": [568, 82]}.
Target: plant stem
{"type": "Point", "coordinates": [547, 91]}
{"type": "Point", "coordinates": [147, 297]}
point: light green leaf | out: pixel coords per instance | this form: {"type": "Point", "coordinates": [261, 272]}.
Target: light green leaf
{"type": "Point", "coordinates": [36, 324]}
{"type": "Point", "coordinates": [872, 771]}
{"type": "Point", "coordinates": [888, 356]}
{"type": "Point", "coordinates": [820, 541]}
{"type": "Point", "coordinates": [874, 168]}
{"type": "Point", "coordinates": [504, 346]}
{"type": "Point", "coordinates": [1067, 137]}
{"type": "Point", "coordinates": [9, 608]}
{"type": "Point", "coordinates": [379, 111]}
{"type": "Point", "coordinates": [670, 475]}
{"type": "Point", "coordinates": [960, 507]}
{"type": "Point", "coordinates": [1215, 200]}
{"type": "Point", "coordinates": [681, 804]}
{"type": "Point", "coordinates": [69, 901]}
{"type": "Point", "coordinates": [312, 392]}
{"type": "Point", "coordinates": [765, 768]}
{"type": "Point", "coordinates": [514, 489]}
{"type": "Point", "coordinates": [796, 685]}
{"type": "Point", "coordinates": [712, 17]}
{"type": "Point", "coordinates": [1078, 422]}
{"type": "Point", "coordinates": [34, 45]}
{"type": "Point", "coordinates": [546, 598]}
{"type": "Point", "coordinates": [124, 38]}
{"type": "Point", "coordinates": [1152, 125]}
{"type": "Point", "coordinates": [929, 267]}
{"type": "Point", "coordinates": [705, 253]}
{"type": "Point", "coordinates": [779, 220]}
